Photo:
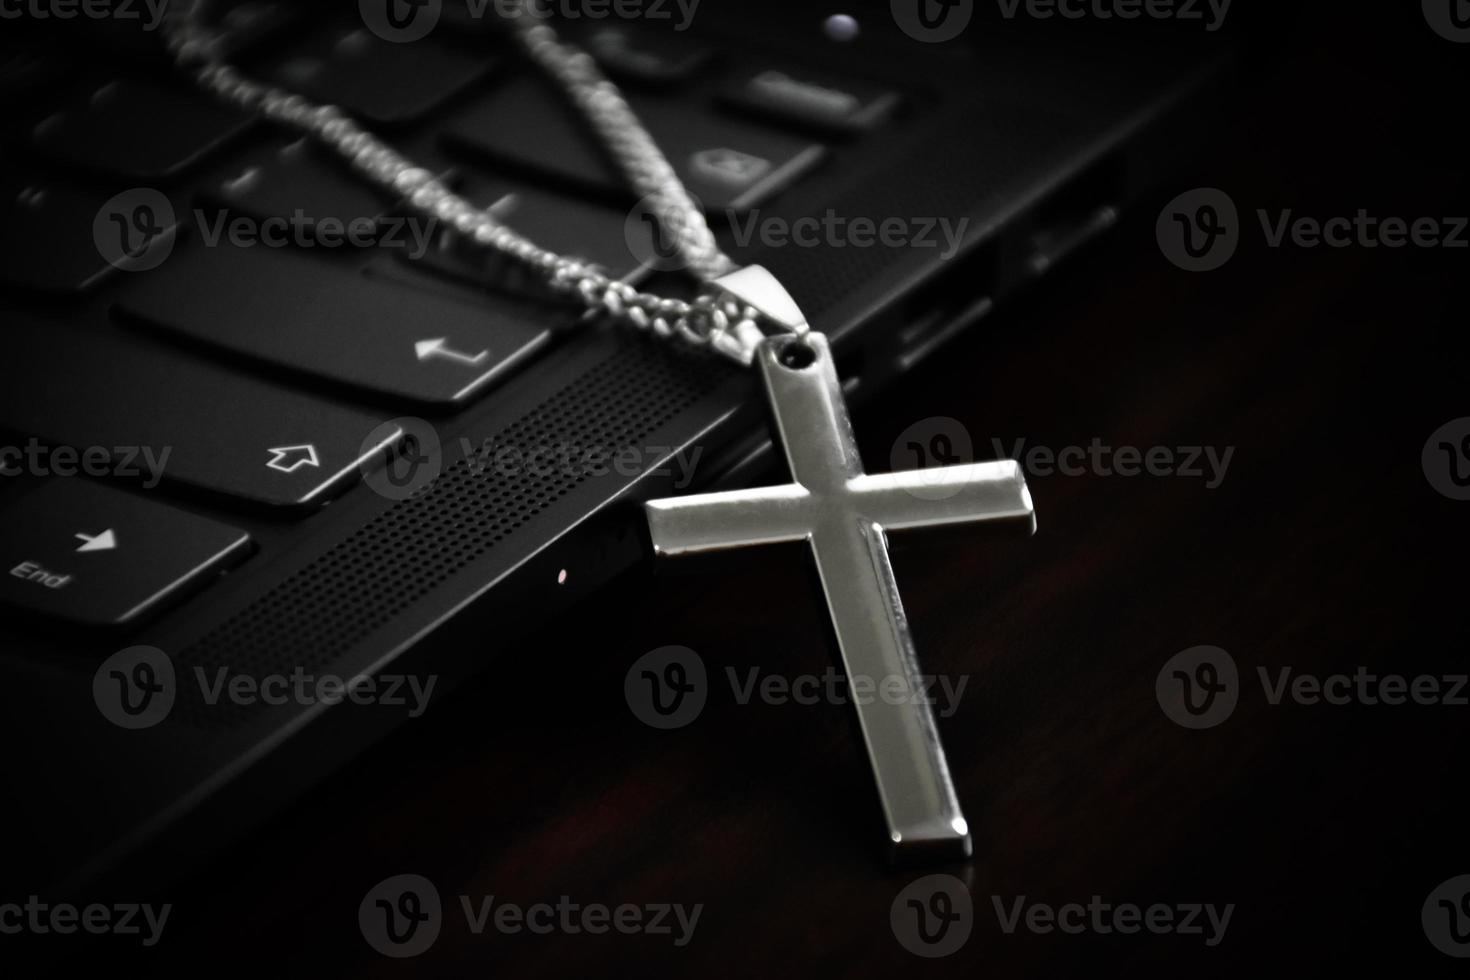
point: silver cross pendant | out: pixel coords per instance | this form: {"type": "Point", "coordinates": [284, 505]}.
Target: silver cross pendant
{"type": "Point", "coordinates": [843, 514]}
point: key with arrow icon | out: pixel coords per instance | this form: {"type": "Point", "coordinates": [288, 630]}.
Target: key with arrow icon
{"type": "Point", "coordinates": [366, 330]}
{"type": "Point", "coordinates": [437, 347]}
{"type": "Point", "coordinates": [99, 582]}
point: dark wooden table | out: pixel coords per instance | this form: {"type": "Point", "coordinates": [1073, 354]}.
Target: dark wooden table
{"type": "Point", "coordinates": [1323, 549]}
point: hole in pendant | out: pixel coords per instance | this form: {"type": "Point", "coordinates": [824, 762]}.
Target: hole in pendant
{"type": "Point", "coordinates": [797, 354]}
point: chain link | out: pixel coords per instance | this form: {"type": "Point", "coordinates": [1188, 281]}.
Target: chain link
{"type": "Point", "coordinates": [710, 319]}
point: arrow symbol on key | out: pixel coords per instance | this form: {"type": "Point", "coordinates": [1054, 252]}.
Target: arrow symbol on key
{"type": "Point", "coordinates": [426, 349]}
{"type": "Point", "coordinates": [105, 541]}
{"type": "Point", "coordinates": [289, 459]}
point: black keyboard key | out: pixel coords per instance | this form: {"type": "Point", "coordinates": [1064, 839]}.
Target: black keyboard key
{"type": "Point", "coordinates": [330, 321]}
{"type": "Point", "coordinates": [223, 431]}
{"type": "Point", "coordinates": [644, 56]}
{"type": "Point", "coordinates": [296, 181]}
{"type": "Point", "coordinates": [138, 130]}
{"type": "Point", "coordinates": [52, 236]}
{"type": "Point", "coordinates": [103, 556]}
{"type": "Point", "coordinates": [812, 101]}
{"type": "Point", "coordinates": [383, 83]}
{"type": "Point", "coordinates": [726, 164]}
{"type": "Point", "coordinates": [569, 226]}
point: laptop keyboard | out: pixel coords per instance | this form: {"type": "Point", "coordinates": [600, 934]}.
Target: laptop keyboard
{"type": "Point", "coordinates": [234, 357]}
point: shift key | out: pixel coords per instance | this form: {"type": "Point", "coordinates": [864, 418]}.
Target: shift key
{"type": "Point", "coordinates": [205, 425]}
{"type": "Point", "coordinates": [103, 556]}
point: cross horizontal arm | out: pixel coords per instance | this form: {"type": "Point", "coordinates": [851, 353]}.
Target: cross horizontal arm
{"type": "Point", "coordinates": [731, 519]}
{"type": "Point", "coordinates": [945, 495]}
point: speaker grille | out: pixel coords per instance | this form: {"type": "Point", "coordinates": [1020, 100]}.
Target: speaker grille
{"type": "Point", "coordinates": [341, 598]}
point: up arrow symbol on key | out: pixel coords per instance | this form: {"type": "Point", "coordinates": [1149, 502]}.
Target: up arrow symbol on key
{"type": "Point", "coordinates": [105, 541]}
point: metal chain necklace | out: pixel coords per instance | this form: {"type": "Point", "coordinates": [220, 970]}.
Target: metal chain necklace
{"type": "Point", "coordinates": [841, 512]}
{"type": "Point", "coordinates": [716, 318]}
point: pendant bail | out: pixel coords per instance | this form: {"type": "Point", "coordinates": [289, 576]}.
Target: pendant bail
{"type": "Point", "coordinates": [755, 287]}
